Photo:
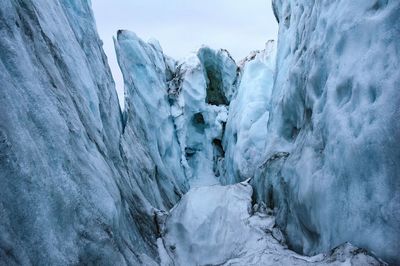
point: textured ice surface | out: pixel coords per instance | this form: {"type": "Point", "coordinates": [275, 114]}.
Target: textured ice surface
{"type": "Point", "coordinates": [220, 70]}
{"type": "Point", "coordinates": [72, 192]}
{"type": "Point", "coordinates": [216, 225]}
{"type": "Point", "coordinates": [171, 111]}
{"type": "Point", "coordinates": [84, 183]}
{"type": "Point", "coordinates": [248, 115]}
{"type": "Point", "coordinates": [199, 122]}
{"type": "Point", "coordinates": [148, 119]}
{"type": "Point", "coordinates": [331, 161]}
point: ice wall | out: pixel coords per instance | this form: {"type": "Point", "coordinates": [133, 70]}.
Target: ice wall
{"type": "Point", "coordinates": [77, 185]}
{"type": "Point", "coordinates": [331, 161]}
{"type": "Point", "coordinates": [149, 138]}
{"type": "Point", "coordinates": [220, 71]}
{"type": "Point", "coordinates": [199, 94]}
{"type": "Point", "coordinates": [246, 130]}
{"type": "Point", "coordinates": [177, 109]}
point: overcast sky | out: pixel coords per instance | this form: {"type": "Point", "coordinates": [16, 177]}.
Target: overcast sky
{"type": "Point", "coordinates": [182, 26]}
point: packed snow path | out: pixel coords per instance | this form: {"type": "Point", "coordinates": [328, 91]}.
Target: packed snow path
{"type": "Point", "coordinates": [217, 225]}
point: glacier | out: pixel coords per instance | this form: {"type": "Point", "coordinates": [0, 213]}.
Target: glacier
{"type": "Point", "coordinates": [287, 157]}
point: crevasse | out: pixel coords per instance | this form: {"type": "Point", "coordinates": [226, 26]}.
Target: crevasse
{"type": "Point", "coordinates": [211, 162]}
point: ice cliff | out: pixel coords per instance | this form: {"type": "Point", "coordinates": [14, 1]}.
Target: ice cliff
{"type": "Point", "coordinates": [332, 162]}
{"type": "Point", "coordinates": [311, 123]}
{"type": "Point", "coordinates": [73, 192]}
{"type": "Point", "coordinates": [325, 156]}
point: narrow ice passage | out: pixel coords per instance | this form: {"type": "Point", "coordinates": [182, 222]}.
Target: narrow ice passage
{"type": "Point", "coordinates": [215, 111]}
{"type": "Point", "coordinates": [315, 123]}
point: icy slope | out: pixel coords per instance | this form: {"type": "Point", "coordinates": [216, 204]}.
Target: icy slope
{"type": "Point", "coordinates": [331, 161]}
{"type": "Point", "coordinates": [72, 190]}
{"type": "Point", "coordinates": [222, 229]}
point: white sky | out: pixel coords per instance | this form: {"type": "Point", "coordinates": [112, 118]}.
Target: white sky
{"type": "Point", "coordinates": [181, 26]}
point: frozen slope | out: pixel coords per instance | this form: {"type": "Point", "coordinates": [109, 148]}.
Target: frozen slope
{"type": "Point", "coordinates": [331, 166]}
